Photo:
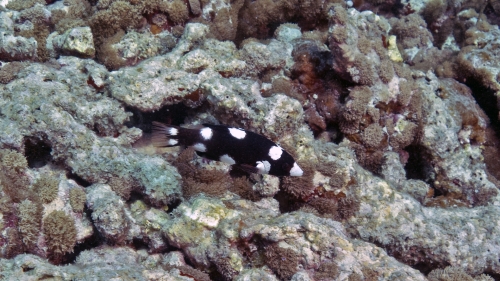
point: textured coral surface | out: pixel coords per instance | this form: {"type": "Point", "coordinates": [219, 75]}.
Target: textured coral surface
{"type": "Point", "coordinates": [390, 107]}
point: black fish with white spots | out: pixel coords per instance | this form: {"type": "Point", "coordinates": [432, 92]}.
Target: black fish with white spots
{"type": "Point", "coordinates": [243, 149]}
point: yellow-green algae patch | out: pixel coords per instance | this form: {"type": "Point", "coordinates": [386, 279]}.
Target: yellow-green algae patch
{"type": "Point", "coordinates": [208, 213]}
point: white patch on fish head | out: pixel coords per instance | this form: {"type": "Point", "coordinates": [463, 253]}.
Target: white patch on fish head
{"type": "Point", "coordinates": [275, 152]}
{"type": "Point", "coordinates": [237, 133]}
{"type": "Point", "coordinates": [296, 171]}
{"type": "Point", "coordinates": [263, 167]}
{"type": "Point", "coordinates": [227, 159]}
{"type": "Point", "coordinates": [206, 133]}
{"type": "Point", "coordinates": [200, 147]}
{"type": "Point", "coordinates": [172, 142]}
{"type": "Point", "coordinates": [173, 131]}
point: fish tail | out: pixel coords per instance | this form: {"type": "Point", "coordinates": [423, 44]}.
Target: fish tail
{"type": "Point", "coordinates": [165, 135]}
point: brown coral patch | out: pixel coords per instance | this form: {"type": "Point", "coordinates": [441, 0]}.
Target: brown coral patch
{"type": "Point", "coordinates": [282, 261]}
{"type": "Point", "coordinates": [46, 188]}
{"type": "Point", "coordinates": [212, 182]}
{"type": "Point", "coordinates": [178, 12]}
{"type": "Point", "coordinates": [60, 234]}
{"type": "Point", "coordinates": [327, 270]}
{"type": "Point", "coordinates": [77, 199]}
{"type": "Point", "coordinates": [300, 188]}
{"type": "Point", "coordinates": [14, 181]}
{"type": "Point", "coordinates": [9, 71]}
{"type": "Point", "coordinates": [369, 159]}
{"type": "Point", "coordinates": [29, 223]}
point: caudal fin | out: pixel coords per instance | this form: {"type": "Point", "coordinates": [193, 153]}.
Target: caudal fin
{"type": "Point", "coordinates": [164, 135]}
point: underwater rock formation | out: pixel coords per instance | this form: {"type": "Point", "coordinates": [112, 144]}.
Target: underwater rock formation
{"type": "Point", "coordinates": [391, 110]}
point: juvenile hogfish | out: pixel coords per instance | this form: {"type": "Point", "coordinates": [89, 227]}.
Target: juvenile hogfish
{"type": "Point", "coordinates": [243, 149]}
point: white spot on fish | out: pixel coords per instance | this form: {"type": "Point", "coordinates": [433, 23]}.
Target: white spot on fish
{"type": "Point", "coordinates": [263, 167]}
{"type": "Point", "coordinates": [200, 147]}
{"type": "Point", "coordinates": [296, 171]}
{"type": "Point", "coordinates": [237, 133]}
{"type": "Point", "coordinates": [275, 152]}
{"type": "Point", "coordinates": [206, 133]}
{"type": "Point", "coordinates": [227, 159]}
{"type": "Point", "coordinates": [173, 131]}
{"type": "Point", "coordinates": [172, 142]}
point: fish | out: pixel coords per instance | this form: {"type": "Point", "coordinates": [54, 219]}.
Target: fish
{"type": "Point", "coordinates": [244, 150]}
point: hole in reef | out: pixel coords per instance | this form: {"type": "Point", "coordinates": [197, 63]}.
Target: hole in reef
{"type": "Point", "coordinates": [214, 274]}
{"type": "Point", "coordinates": [139, 244]}
{"type": "Point", "coordinates": [486, 99]}
{"type": "Point", "coordinates": [334, 133]}
{"type": "Point", "coordinates": [37, 152]}
{"type": "Point", "coordinates": [495, 276]}
{"type": "Point", "coordinates": [438, 192]}
{"type": "Point", "coordinates": [134, 196]}
{"type": "Point", "coordinates": [78, 179]}
{"type": "Point", "coordinates": [27, 268]}
{"type": "Point", "coordinates": [423, 267]}
{"type": "Point", "coordinates": [493, 19]}
{"type": "Point", "coordinates": [172, 206]}
{"type": "Point", "coordinates": [418, 167]}
{"type": "Point", "coordinates": [286, 202]}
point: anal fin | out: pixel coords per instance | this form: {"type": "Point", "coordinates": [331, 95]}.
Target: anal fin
{"type": "Point", "coordinates": [246, 168]}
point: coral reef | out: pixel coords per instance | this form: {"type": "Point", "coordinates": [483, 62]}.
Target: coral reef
{"type": "Point", "coordinates": [77, 199]}
{"type": "Point", "coordinates": [29, 223]}
{"type": "Point", "coordinates": [108, 213]}
{"type": "Point", "coordinates": [46, 188]}
{"type": "Point", "coordinates": [390, 108]}
{"type": "Point", "coordinates": [60, 232]}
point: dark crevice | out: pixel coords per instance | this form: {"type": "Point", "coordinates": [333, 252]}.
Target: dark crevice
{"type": "Point", "coordinates": [418, 166]}
{"type": "Point", "coordinates": [170, 114]}
{"type": "Point", "coordinates": [215, 275]}
{"type": "Point", "coordinates": [286, 202]}
{"type": "Point", "coordinates": [140, 244]}
{"type": "Point", "coordinates": [173, 205]}
{"type": "Point", "coordinates": [135, 195]}
{"type": "Point", "coordinates": [27, 268]}
{"type": "Point", "coordinates": [493, 17]}
{"type": "Point", "coordinates": [334, 133]}
{"type": "Point", "coordinates": [486, 99]}
{"type": "Point", "coordinates": [37, 152]}
{"type": "Point", "coordinates": [79, 180]}
{"type": "Point", "coordinates": [424, 268]}
{"type": "Point", "coordinates": [495, 276]}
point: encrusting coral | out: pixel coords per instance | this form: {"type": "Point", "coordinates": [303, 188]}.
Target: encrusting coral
{"type": "Point", "coordinates": [389, 150]}
{"type": "Point", "coordinates": [29, 223]}
{"type": "Point", "coordinates": [47, 188]}
{"type": "Point", "coordinates": [60, 233]}
{"type": "Point", "coordinates": [13, 177]}
{"type": "Point", "coordinates": [283, 261]}
{"type": "Point", "coordinates": [452, 273]}
{"type": "Point", "coordinates": [77, 199]}
{"type": "Point", "coordinates": [212, 182]}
